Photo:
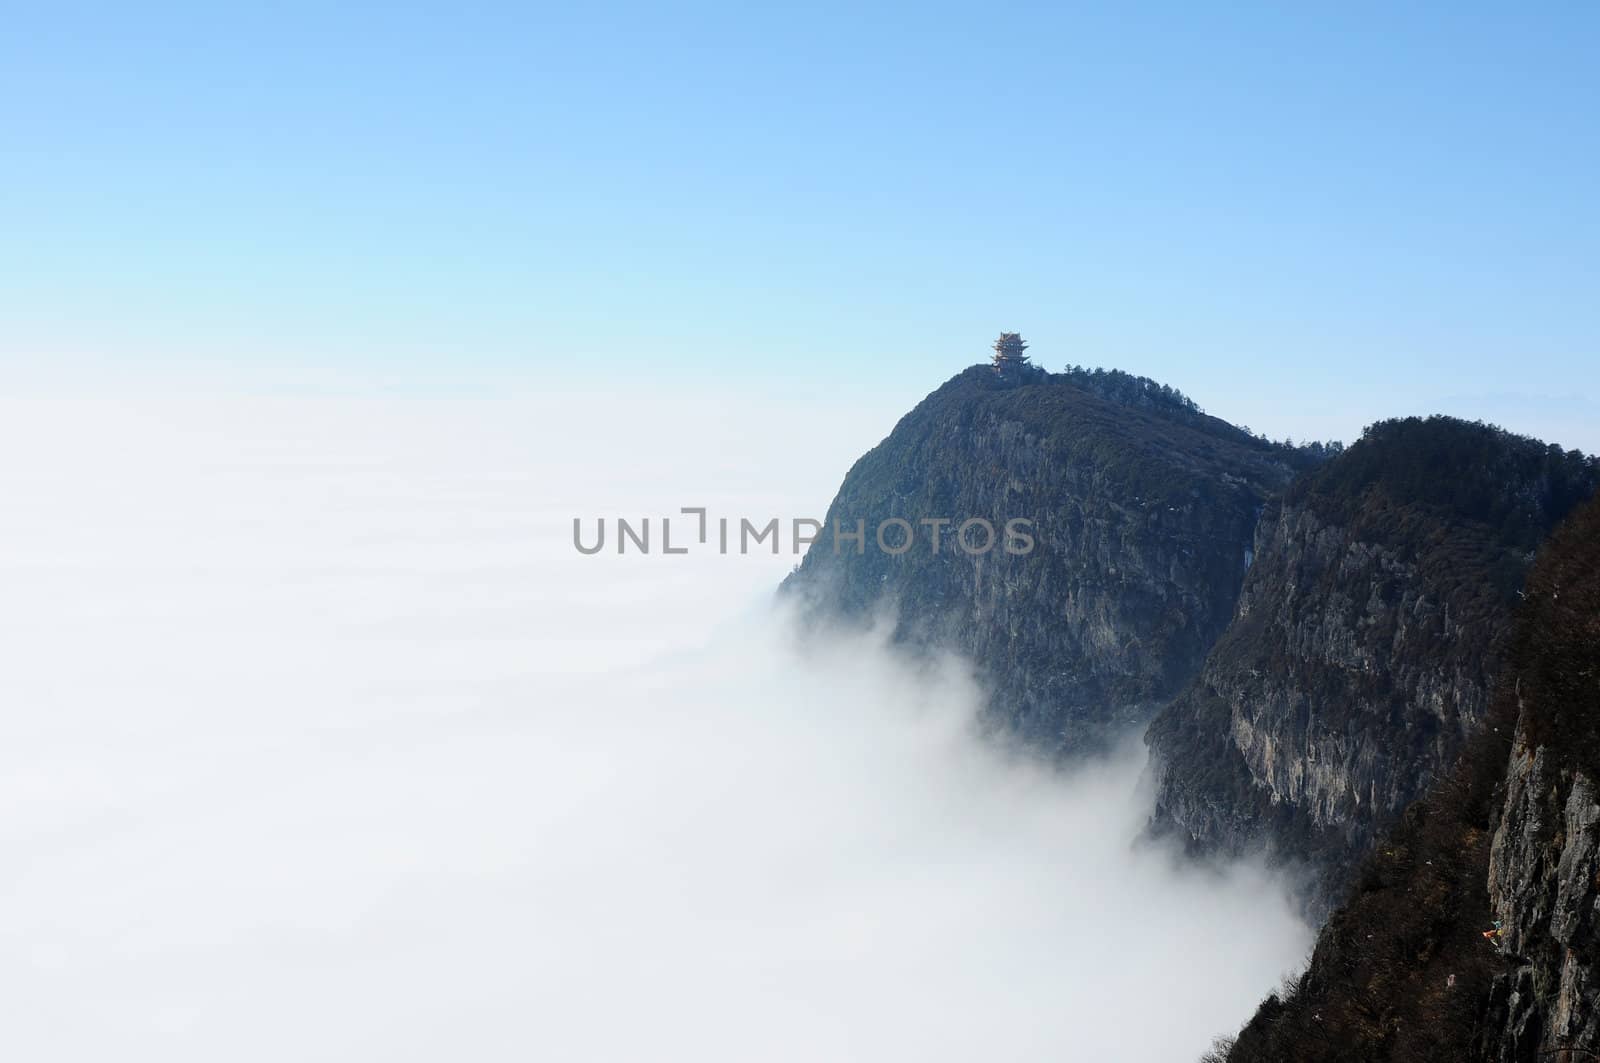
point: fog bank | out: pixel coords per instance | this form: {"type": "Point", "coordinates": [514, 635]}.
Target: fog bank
{"type": "Point", "coordinates": [318, 742]}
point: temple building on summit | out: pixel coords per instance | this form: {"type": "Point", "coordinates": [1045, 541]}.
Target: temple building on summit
{"type": "Point", "coordinates": [1010, 355]}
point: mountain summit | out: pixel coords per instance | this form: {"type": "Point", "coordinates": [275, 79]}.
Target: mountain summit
{"type": "Point", "coordinates": [1142, 512]}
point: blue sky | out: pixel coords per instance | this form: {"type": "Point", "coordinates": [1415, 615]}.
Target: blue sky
{"type": "Point", "coordinates": [1306, 219]}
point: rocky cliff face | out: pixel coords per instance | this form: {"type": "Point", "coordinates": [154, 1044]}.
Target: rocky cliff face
{"type": "Point", "coordinates": [1142, 513]}
{"type": "Point", "coordinates": [1337, 657]}
{"type": "Point", "coordinates": [1544, 869]}
{"type": "Point", "coordinates": [1366, 640]}
{"type": "Point", "coordinates": [1470, 930]}
{"type": "Point", "coordinates": [1544, 862]}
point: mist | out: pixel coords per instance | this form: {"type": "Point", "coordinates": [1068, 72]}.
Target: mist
{"type": "Point", "coordinates": [319, 741]}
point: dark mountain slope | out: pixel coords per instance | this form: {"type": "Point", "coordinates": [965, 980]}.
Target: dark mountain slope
{"type": "Point", "coordinates": [1367, 637]}
{"type": "Point", "coordinates": [1143, 509]}
{"type": "Point", "coordinates": [1402, 971]}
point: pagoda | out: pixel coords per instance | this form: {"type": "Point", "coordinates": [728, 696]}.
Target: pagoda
{"type": "Point", "coordinates": [1009, 356]}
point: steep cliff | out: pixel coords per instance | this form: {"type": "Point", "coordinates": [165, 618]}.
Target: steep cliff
{"type": "Point", "coordinates": [1544, 862]}
{"type": "Point", "coordinates": [1142, 512]}
{"type": "Point", "coordinates": [1470, 930]}
{"type": "Point", "coordinates": [1366, 640]}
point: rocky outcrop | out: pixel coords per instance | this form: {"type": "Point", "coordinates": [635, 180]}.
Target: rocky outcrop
{"type": "Point", "coordinates": [1470, 932]}
{"type": "Point", "coordinates": [1544, 868]}
{"type": "Point", "coordinates": [1544, 863]}
{"type": "Point", "coordinates": [1339, 674]}
{"type": "Point", "coordinates": [1366, 641]}
{"type": "Point", "coordinates": [1141, 511]}
{"type": "Point", "coordinates": [1336, 657]}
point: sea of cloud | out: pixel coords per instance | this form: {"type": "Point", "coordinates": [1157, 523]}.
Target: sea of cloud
{"type": "Point", "coordinates": [318, 741]}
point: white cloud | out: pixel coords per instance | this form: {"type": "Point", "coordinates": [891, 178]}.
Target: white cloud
{"type": "Point", "coordinates": [317, 741]}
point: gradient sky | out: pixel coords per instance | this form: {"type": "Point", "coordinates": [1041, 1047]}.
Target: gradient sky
{"type": "Point", "coordinates": [1305, 219]}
